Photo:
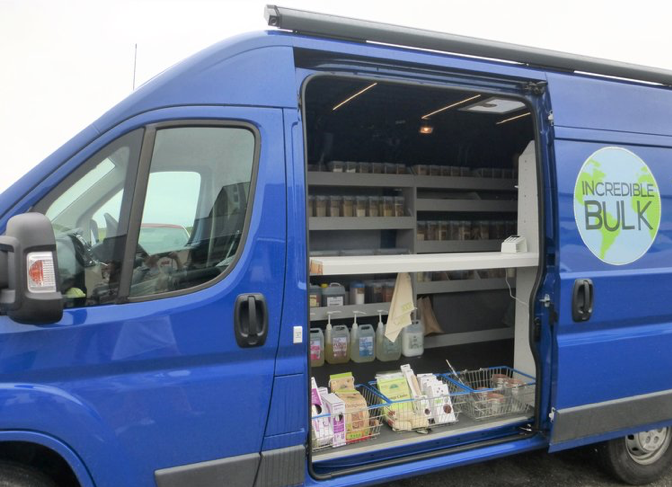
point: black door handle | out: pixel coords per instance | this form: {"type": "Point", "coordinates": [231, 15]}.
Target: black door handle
{"type": "Point", "coordinates": [250, 320]}
{"type": "Point", "coordinates": [582, 300]}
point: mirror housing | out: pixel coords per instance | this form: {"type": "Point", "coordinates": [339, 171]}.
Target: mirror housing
{"type": "Point", "coordinates": [29, 281]}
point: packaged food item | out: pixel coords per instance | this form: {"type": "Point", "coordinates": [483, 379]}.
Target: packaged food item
{"type": "Point", "coordinates": [388, 290]}
{"type": "Point", "coordinates": [364, 167]}
{"type": "Point", "coordinates": [335, 206]}
{"type": "Point", "coordinates": [401, 414]}
{"type": "Point", "coordinates": [350, 166]}
{"type": "Point", "coordinates": [374, 291]}
{"type": "Point", "coordinates": [320, 206]}
{"type": "Point", "coordinates": [316, 347]}
{"type": "Point", "coordinates": [357, 292]}
{"type": "Point", "coordinates": [399, 206]}
{"type": "Point", "coordinates": [335, 406]}
{"type": "Point", "coordinates": [333, 295]}
{"type": "Point", "coordinates": [356, 410]}
{"type": "Point", "coordinates": [377, 168]}
{"type": "Point", "coordinates": [336, 166]}
{"type": "Point", "coordinates": [315, 296]}
{"type": "Point", "coordinates": [321, 431]}
{"type": "Point", "coordinates": [421, 230]}
{"type": "Point", "coordinates": [348, 207]}
{"type": "Point", "coordinates": [373, 206]}
{"type": "Point", "coordinates": [438, 398]}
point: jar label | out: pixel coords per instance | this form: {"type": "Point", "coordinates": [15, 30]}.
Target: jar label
{"type": "Point", "coordinates": [334, 300]}
{"type": "Point", "coordinates": [366, 347]}
{"type": "Point", "coordinates": [315, 350]}
{"type": "Point", "coordinates": [340, 346]}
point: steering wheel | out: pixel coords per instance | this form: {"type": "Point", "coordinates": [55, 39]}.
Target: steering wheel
{"type": "Point", "coordinates": [111, 224]}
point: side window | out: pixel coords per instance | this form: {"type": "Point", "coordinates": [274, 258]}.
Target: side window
{"type": "Point", "coordinates": [89, 212]}
{"type": "Point", "coordinates": [195, 207]}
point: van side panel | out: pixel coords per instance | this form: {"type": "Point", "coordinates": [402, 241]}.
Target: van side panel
{"type": "Point", "coordinates": [611, 372]}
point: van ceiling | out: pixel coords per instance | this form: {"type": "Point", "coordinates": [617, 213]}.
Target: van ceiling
{"type": "Point", "coordinates": [382, 124]}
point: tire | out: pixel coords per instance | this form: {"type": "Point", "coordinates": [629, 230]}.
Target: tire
{"type": "Point", "coordinates": [16, 475]}
{"type": "Point", "coordinates": [640, 458]}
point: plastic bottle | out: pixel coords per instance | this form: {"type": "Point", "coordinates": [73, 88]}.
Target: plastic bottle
{"type": "Point", "coordinates": [340, 345]}
{"type": "Point", "coordinates": [316, 347]}
{"type": "Point", "coordinates": [413, 339]}
{"type": "Point", "coordinates": [362, 342]}
{"type": "Point", "coordinates": [328, 344]}
{"type": "Point", "coordinates": [386, 350]}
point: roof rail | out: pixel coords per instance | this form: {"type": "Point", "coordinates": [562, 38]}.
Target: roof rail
{"type": "Point", "coordinates": [326, 25]}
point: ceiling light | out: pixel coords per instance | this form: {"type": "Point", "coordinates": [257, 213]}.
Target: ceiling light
{"type": "Point", "coordinates": [497, 106]}
{"type": "Point", "coordinates": [512, 118]}
{"type": "Point", "coordinates": [425, 117]}
{"type": "Point", "coordinates": [353, 96]}
{"type": "Point", "coordinates": [425, 128]}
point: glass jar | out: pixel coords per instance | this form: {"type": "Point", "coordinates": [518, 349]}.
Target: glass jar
{"type": "Point", "coordinates": [335, 203]}
{"type": "Point", "coordinates": [399, 206]}
{"type": "Point", "coordinates": [453, 230]}
{"type": "Point", "coordinates": [386, 206]}
{"type": "Point", "coordinates": [421, 231]}
{"type": "Point", "coordinates": [321, 206]}
{"type": "Point", "coordinates": [421, 170]}
{"type": "Point", "coordinates": [377, 168]}
{"type": "Point", "coordinates": [348, 206]}
{"type": "Point", "coordinates": [361, 202]}
{"type": "Point", "coordinates": [350, 166]}
{"type": "Point", "coordinates": [431, 231]}
{"type": "Point", "coordinates": [311, 205]}
{"type": "Point", "coordinates": [442, 231]}
{"type": "Point", "coordinates": [401, 168]}
{"type": "Point", "coordinates": [373, 206]}
{"type": "Point", "coordinates": [364, 167]}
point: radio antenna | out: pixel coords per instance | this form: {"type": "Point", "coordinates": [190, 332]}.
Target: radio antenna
{"type": "Point", "coordinates": [135, 63]}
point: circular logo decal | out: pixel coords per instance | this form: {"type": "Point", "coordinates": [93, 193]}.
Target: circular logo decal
{"type": "Point", "coordinates": [616, 205]}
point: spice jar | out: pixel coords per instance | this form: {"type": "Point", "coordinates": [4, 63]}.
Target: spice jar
{"type": "Point", "coordinates": [320, 206]}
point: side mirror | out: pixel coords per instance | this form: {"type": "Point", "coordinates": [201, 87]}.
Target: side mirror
{"type": "Point", "coordinates": [29, 282]}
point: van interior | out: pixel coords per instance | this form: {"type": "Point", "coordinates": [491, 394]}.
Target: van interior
{"type": "Point", "coordinates": [429, 181]}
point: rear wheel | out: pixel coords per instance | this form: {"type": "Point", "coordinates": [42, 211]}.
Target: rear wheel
{"type": "Point", "coordinates": [16, 475]}
{"type": "Point", "coordinates": [640, 458]}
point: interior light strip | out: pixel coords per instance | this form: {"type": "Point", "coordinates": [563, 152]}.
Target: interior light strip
{"type": "Point", "coordinates": [512, 118]}
{"type": "Point", "coordinates": [353, 96]}
{"type": "Point", "coordinates": [425, 117]}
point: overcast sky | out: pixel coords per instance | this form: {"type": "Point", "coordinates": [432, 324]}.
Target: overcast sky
{"type": "Point", "coordinates": [64, 63]}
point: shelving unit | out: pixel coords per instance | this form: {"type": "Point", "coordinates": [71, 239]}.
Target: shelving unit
{"type": "Point", "coordinates": [471, 206]}
{"type": "Point", "coordinates": [369, 309]}
{"type": "Point", "coordinates": [362, 223]}
{"type": "Point", "coordinates": [444, 246]}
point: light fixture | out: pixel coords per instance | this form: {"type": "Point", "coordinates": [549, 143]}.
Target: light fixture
{"type": "Point", "coordinates": [354, 96]}
{"type": "Point", "coordinates": [425, 117]}
{"type": "Point", "coordinates": [425, 128]}
{"type": "Point", "coordinates": [513, 118]}
{"type": "Point", "coordinates": [498, 106]}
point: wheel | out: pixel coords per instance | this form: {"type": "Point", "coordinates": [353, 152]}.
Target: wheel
{"type": "Point", "coordinates": [16, 475]}
{"type": "Point", "coordinates": [640, 458]}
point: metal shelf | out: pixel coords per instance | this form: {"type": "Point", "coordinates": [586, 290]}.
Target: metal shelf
{"type": "Point", "coordinates": [361, 180]}
{"type": "Point", "coordinates": [369, 309]}
{"type": "Point", "coordinates": [385, 264]}
{"type": "Point", "coordinates": [361, 223]}
{"type": "Point", "coordinates": [461, 286]}
{"type": "Point", "coordinates": [489, 206]}
{"type": "Point", "coordinates": [444, 246]}
{"type": "Point", "coordinates": [450, 339]}
{"type": "Point", "coordinates": [465, 183]}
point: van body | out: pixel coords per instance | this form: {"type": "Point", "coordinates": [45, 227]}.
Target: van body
{"type": "Point", "coordinates": [188, 362]}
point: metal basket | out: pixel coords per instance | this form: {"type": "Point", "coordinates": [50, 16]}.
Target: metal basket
{"type": "Point", "coordinates": [361, 424]}
{"type": "Point", "coordinates": [494, 391]}
{"type": "Point", "coordinates": [423, 413]}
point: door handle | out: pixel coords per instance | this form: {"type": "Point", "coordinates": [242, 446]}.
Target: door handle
{"type": "Point", "coordinates": [250, 320]}
{"type": "Point", "coordinates": [582, 300]}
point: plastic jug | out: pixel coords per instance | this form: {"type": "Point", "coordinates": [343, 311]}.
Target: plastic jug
{"type": "Point", "coordinates": [339, 352]}
{"type": "Point", "coordinates": [413, 339]}
{"type": "Point", "coordinates": [316, 347]}
{"type": "Point", "coordinates": [362, 342]}
{"type": "Point", "coordinates": [386, 350]}
{"type": "Point", "coordinates": [328, 343]}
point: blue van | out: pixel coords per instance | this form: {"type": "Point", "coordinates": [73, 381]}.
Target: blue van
{"type": "Point", "coordinates": [173, 278]}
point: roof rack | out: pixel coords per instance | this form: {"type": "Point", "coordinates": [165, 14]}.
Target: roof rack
{"type": "Point", "coordinates": [326, 25]}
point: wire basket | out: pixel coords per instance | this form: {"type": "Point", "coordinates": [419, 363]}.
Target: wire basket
{"type": "Point", "coordinates": [425, 412]}
{"type": "Point", "coordinates": [357, 424]}
{"type": "Point", "coordinates": [494, 391]}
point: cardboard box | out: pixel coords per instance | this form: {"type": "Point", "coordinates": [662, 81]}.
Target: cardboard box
{"type": "Point", "coordinates": [336, 409]}
{"type": "Point", "coordinates": [322, 432]}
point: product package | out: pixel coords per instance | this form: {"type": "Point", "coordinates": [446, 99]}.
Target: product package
{"type": "Point", "coordinates": [336, 409]}
{"type": "Point", "coordinates": [355, 407]}
{"type": "Point", "coordinates": [438, 396]}
{"type": "Point", "coordinates": [322, 431]}
{"type": "Point", "coordinates": [400, 415]}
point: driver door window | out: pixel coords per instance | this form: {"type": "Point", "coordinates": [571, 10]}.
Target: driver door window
{"type": "Point", "coordinates": [89, 212]}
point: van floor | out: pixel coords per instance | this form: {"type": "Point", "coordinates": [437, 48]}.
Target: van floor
{"type": "Point", "coordinates": [470, 356]}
